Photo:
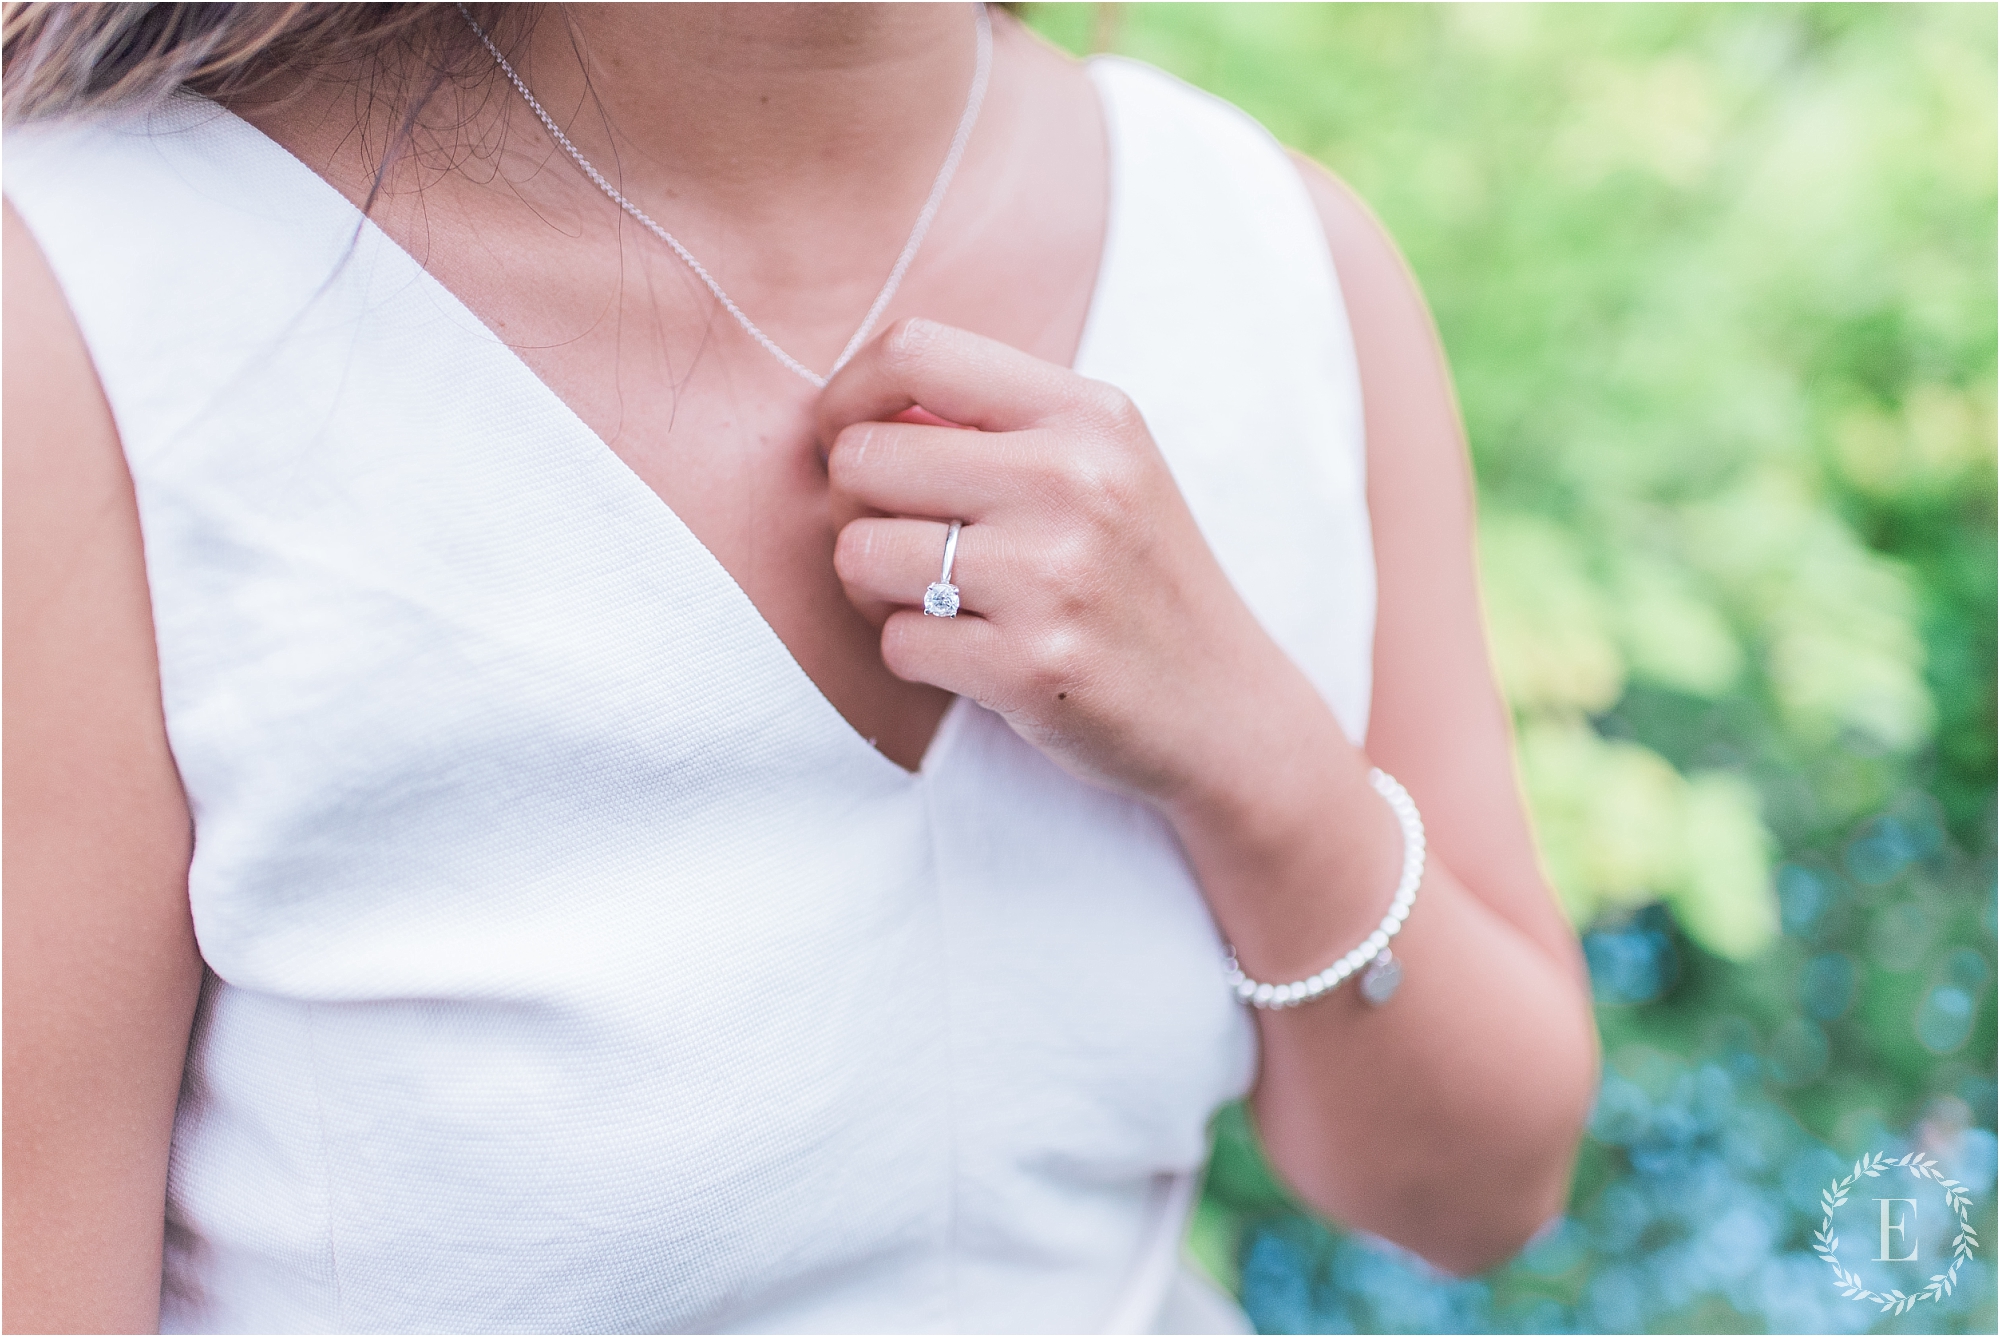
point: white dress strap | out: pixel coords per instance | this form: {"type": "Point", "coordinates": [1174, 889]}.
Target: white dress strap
{"type": "Point", "coordinates": [1219, 286]}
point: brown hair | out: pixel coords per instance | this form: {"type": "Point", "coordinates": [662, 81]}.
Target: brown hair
{"type": "Point", "coordinates": [58, 59]}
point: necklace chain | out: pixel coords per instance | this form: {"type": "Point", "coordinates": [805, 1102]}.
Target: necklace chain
{"type": "Point", "coordinates": [982, 66]}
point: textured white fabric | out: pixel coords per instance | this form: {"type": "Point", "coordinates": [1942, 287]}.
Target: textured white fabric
{"type": "Point", "coordinates": [575, 965]}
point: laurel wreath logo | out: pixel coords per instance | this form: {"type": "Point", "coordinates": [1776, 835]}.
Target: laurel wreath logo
{"type": "Point", "coordinates": [1956, 1198]}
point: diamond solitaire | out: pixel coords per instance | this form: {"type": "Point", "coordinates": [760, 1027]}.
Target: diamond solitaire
{"type": "Point", "coordinates": [941, 600]}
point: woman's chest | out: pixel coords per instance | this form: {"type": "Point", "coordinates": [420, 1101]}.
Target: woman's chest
{"type": "Point", "coordinates": [615, 324]}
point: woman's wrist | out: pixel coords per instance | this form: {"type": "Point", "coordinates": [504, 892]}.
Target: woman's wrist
{"type": "Point", "coordinates": [1296, 852]}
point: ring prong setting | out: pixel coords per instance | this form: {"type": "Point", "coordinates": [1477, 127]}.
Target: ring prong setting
{"type": "Point", "coordinates": [941, 599]}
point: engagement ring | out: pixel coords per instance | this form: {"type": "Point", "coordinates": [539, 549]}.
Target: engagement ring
{"type": "Point", "coordinates": [941, 598]}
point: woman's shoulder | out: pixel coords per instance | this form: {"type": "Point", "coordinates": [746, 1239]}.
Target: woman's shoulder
{"type": "Point", "coordinates": [1203, 136]}
{"type": "Point", "coordinates": [1201, 132]}
{"type": "Point", "coordinates": [112, 146]}
{"type": "Point", "coordinates": [1173, 108]}
{"type": "Point", "coordinates": [187, 247]}
{"type": "Point", "coordinates": [1171, 136]}
{"type": "Point", "coordinates": [1399, 355]}
{"type": "Point", "coordinates": [136, 207]}
{"type": "Point", "coordinates": [142, 176]}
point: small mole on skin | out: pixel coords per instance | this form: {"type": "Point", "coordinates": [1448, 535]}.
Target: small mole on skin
{"type": "Point", "coordinates": [1062, 696]}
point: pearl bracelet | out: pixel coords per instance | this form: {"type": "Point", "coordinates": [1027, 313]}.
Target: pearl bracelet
{"type": "Point", "coordinates": [1384, 971]}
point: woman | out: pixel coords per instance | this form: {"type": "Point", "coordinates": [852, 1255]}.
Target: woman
{"type": "Point", "coordinates": [524, 810]}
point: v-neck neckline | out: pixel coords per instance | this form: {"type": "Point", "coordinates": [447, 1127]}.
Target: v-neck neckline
{"type": "Point", "coordinates": [368, 231]}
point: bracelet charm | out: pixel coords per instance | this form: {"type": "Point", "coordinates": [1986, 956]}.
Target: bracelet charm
{"type": "Point", "coordinates": [1382, 973]}
{"type": "Point", "coordinates": [1379, 981]}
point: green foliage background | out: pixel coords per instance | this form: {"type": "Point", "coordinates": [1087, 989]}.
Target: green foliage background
{"type": "Point", "coordinates": [1718, 287]}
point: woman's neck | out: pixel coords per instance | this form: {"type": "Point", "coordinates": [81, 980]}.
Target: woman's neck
{"type": "Point", "coordinates": [789, 147]}
{"type": "Point", "coordinates": [749, 110]}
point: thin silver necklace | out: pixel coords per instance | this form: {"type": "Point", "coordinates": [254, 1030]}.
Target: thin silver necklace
{"type": "Point", "coordinates": [982, 66]}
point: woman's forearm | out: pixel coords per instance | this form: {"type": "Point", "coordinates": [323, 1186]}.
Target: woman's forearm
{"type": "Point", "coordinates": [1447, 1119]}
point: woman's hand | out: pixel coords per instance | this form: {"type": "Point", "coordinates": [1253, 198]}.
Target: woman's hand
{"type": "Point", "coordinates": [1094, 618]}
{"type": "Point", "coordinates": [1099, 624]}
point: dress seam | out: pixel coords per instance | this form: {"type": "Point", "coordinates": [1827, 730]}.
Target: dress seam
{"type": "Point", "coordinates": [945, 973]}
{"type": "Point", "coordinates": [326, 1170]}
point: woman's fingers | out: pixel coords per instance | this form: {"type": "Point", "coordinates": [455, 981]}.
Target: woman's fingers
{"type": "Point", "coordinates": [964, 655]}
{"type": "Point", "coordinates": [892, 562]}
{"type": "Point", "coordinates": [1035, 435]}
{"type": "Point", "coordinates": [960, 377]}
{"type": "Point", "coordinates": [901, 469]}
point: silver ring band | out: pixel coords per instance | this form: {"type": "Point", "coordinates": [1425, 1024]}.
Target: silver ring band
{"type": "Point", "coordinates": [950, 550]}
{"type": "Point", "coordinates": [941, 598]}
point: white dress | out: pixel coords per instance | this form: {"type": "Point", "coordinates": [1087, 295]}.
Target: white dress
{"type": "Point", "coordinates": [575, 966]}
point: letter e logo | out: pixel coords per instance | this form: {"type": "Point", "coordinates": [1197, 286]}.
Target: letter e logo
{"type": "Point", "coordinates": [1900, 1227]}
